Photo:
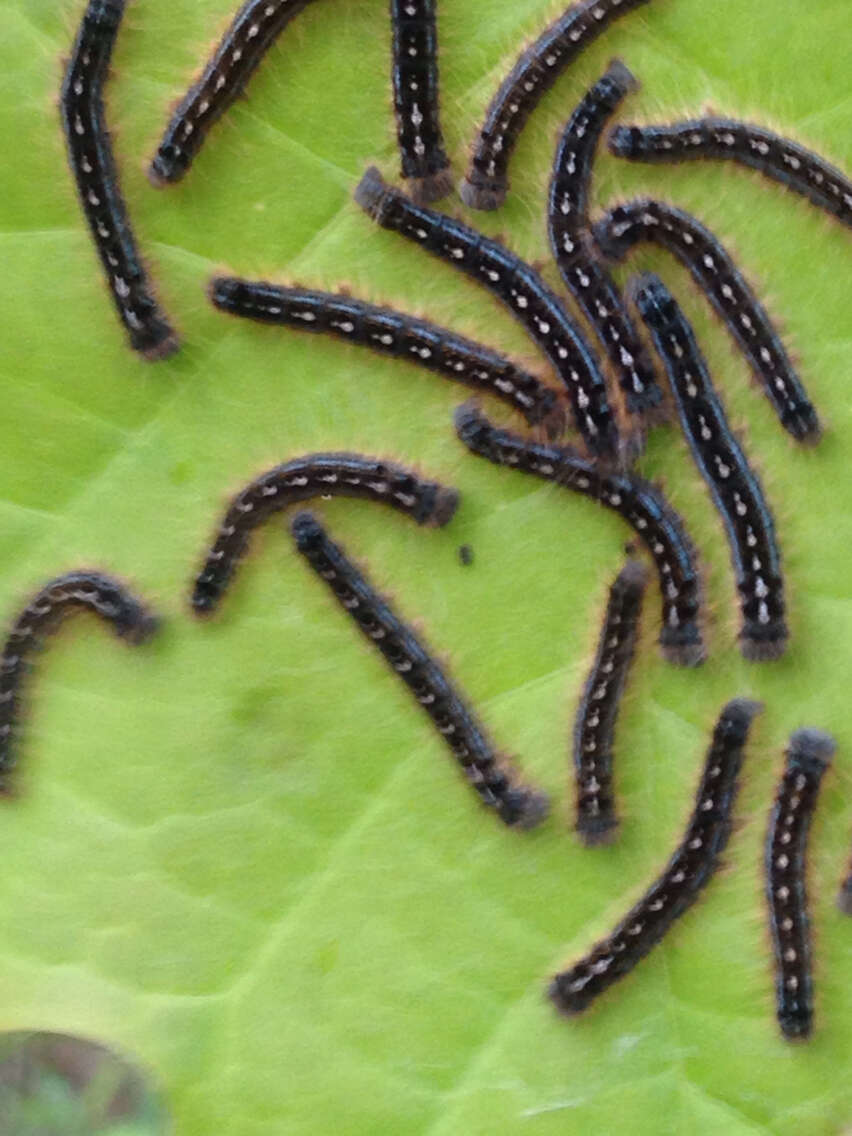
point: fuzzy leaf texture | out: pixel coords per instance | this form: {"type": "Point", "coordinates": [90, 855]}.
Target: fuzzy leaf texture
{"type": "Point", "coordinates": [240, 854]}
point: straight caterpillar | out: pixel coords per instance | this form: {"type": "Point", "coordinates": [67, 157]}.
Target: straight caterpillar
{"type": "Point", "coordinates": [687, 872]}
{"type": "Point", "coordinates": [734, 486]}
{"type": "Point", "coordinates": [780, 159]}
{"type": "Point", "coordinates": [514, 804]}
{"type": "Point", "coordinates": [594, 727]}
{"type": "Point", "coordinates": [414, 75]}
{"type": "Point", "coordinates": [93, 166]}
{"type": "Point", "coordinates": [808, 756]}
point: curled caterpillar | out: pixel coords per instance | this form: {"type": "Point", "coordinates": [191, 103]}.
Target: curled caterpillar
{"type": "Point", "coordinates": [315, 475]}
{"type": "Point", "coordinates": [641, 504]}
{"type": "Point", "coordinates": [80, 590]}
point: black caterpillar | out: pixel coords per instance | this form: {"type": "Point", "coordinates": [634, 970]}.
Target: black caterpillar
{"type": "Point", "coordinates": [594, 727]}
{"type": "Point", "coordinates": [93, 165]}
{"type": "Point", "coordinates": [81, 590]}
{"type": "Point", "coordinates": [515, 805]}
{"type": "Point", "coordinates": [519, 287]}
{"type": "Point", "coordinates": [734, 486]}
{"type": "Point", "coordinates": [315, 475]}
{"type": "Point", "coordinates": [395, 333]}
{"type": "Point", "coordinates": [641, 504]}
{"type": "Point", "coordinates": [687, 872]}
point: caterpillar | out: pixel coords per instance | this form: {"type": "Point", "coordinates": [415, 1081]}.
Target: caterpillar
{"type": "Point", "coordinates": [687, 872]}
{"type": "Point", "coordinates": [414, 75]}
{"type": "Point", "coordinates": [727, 290]}
{"type": "Point", "coordinates": [534, 73]}
{"type": "Point", "coordinates": [734, 486]}
{"type": "Point", "coordinates": [409, 659]}
{"type": "Point", "coordinates": [568, 226]}
{"type": "Point", "coordinates": [518, 287]}
{"type": "Point", "coordinates": [314, 475]}
{"type": "Point", "coordinates": [250, 35]}
{"type": "Point", "coordinates": [568, 197]}
{"type": "Point", "coordinates": [780, 159]}
{"type": "Point", "coordinates": [808, 756]}
{"type": "Point", "coordinates": [641, 504]}
{"type": "Point", "coordinates": [93, 166]}
{"type": "Point", "coordinates": [395, 333]}
{"type": "Point", "coordinates": [82, 590]}
{"type": "Point", "coordinates": [594, 727]}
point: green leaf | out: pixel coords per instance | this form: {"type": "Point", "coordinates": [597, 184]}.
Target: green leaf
{"type": "Point", "coordinates": [240, 854]}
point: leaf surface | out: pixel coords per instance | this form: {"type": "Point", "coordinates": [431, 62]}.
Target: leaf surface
{"type": "Point", "coordinates": [240, 853]}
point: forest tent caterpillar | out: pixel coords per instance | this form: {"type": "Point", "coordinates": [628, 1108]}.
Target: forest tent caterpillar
{"type": "Point", "coordinates": [534, 73]}
{"type": "Point", "coordinates": [518, 287]}
{"type": "Point", "coordinates": [249, 36]}
{"type": "Point", "coordinates": [414, 75]}
{"type": "Point", "coordinates": [575, 154]}
{"type": "Point", "coordinates": [781, 159]}
{"type": "Point", "coordinates": [808, 756]}
{"type": "Point", "coordinates": [376, 619]}
{"type": "Point", "coordinates": [93, 166]}
{"type": "Point", "coordinates": [568, 226]}
{"type": "Point", "coordinates": [639, 502]}
{"type": "Point", "coordinates": [727, 290]}
{"type": "Point", "coordinates": [734, 486]}
{"type": "Point", "coordinates": [687, 872]}
{"type": "Point", "coordinates": [594, 727]}
{"type": "Point", "coordinates": [82, 590]}
{"type": "Point", "coordinates": [395, 333]}
{"type": "Point", "coordinates": [315, 475]}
